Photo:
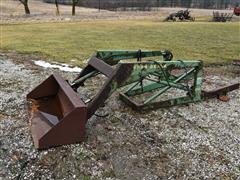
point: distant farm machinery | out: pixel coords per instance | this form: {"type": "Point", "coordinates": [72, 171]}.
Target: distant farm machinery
{"type": "Point", "coordinates": [59, 115]}
{"type": "Point", "coordinates": [221, 17]}
{"type": "Point", "coordinates": [182, 15]}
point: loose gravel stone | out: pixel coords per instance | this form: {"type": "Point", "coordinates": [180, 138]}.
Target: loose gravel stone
{"type": "Point", "coordinates": [200, 140]}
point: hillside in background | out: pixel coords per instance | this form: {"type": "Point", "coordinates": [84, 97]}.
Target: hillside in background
{"type": "Point", "coordinates": [145, 4]}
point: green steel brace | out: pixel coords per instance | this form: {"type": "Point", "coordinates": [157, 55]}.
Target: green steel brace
{"type": "Point", "coordinates": [155, 76]}
{"type": "Point", "coordinates": [162, 81]}
{"type": "Point", "coordinates": [58, 115]}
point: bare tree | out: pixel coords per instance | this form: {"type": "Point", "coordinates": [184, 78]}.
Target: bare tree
{"type": "Point", "coordinates": [57, 8]}
{"type": "Point", "coordinates": [74, 3]}
{"type": "Point", "coordinates": [25, 3]}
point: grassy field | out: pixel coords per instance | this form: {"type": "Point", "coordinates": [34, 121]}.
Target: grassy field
{"type": "Point", "coordinates": [65, 41]}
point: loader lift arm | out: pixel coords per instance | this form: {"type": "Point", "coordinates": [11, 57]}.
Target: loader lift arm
{"type": "Point", "coordinates": [58, 115]}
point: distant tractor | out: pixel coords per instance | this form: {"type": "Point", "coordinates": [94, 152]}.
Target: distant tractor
{"type": "Point", "coordinates": [182, 15]}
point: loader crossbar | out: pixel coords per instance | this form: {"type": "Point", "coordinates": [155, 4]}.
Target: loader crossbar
{"type": "Point", "coordinates": [148, 84]}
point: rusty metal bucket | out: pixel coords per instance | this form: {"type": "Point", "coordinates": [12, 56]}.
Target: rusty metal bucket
{"type": "Point", "coordinates": [58, 115]}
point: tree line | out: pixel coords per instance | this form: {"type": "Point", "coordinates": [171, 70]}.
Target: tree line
{"type": "Point", "coordinates": [114, 4]}
{"type": "Point", "coordinates": [138, 4]}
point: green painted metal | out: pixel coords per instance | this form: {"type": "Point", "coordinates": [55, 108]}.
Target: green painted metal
{"type": "Point", "coordinates": [158, 74]}
{"type": "Point", "coordinates": [156, 77]}
{"type": "Point", "coordinates": [59, 115]}
{"type": "Point", "coordinates": [113, 57]}
{"type": "Point", "coordinates": [163, 80]}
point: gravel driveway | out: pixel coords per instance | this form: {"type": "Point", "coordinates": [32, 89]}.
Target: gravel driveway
{"type": "Point", "coordinates": [200, 140]}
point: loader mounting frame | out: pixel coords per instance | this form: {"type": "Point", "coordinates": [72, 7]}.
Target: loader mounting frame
{"type": "Point", "coordinates": [56, 107]}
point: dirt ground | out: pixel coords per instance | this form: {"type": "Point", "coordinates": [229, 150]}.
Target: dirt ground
{"type": "Point", "coordinates": [198, 141]}
{"type": "Point", "coordinates": [13, 12]}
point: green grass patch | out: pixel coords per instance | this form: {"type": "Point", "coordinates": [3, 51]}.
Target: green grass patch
{"type": "Point", "coordinates": [65, 41]}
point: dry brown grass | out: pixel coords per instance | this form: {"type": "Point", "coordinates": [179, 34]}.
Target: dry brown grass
{"type": "Point", "coordinates": [13, 11]}
{"type": "Point", "coordinates": [15, 8]}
